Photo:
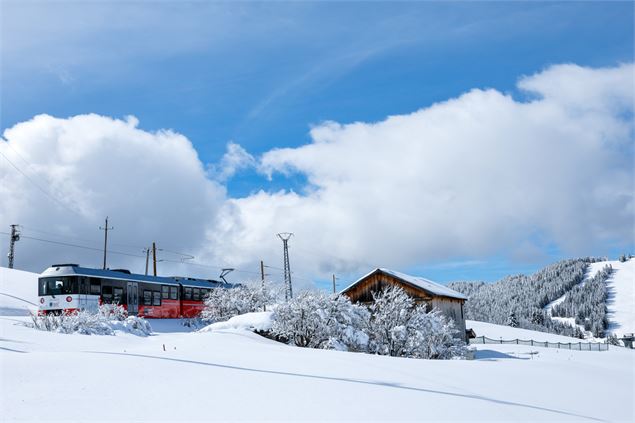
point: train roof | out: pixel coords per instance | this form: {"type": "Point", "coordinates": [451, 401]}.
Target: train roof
{"type": "Point", "coordinates": [76, 270]}
{"type": "Point", "coordinates": [200, 283]}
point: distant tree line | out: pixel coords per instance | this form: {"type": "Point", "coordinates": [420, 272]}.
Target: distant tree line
{"type": "Point", "coordinates": [587, 303]}
{"type": "Point", "coordinates": [520, 300]}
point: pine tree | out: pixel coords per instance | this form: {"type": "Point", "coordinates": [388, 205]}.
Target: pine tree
{"type": "Point", "coordinates": [512, 320]}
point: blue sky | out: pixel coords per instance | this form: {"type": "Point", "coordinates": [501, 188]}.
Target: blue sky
{"type": "Point", "coordinates": [262, 74]}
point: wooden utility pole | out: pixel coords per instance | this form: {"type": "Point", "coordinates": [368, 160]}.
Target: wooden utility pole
{"type": "Point", "coordinates": [334, 283]}
{"type": "Point", "coordinates": [154, 257]}
{"type": "Point", "coordinates": [262, 279]}
{"type": "Point", "coordinates": [106, 229]}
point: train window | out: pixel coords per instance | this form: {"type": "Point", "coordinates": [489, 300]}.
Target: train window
{"type": "Point", "coordinates": [117, 294]}
{"type": "Point", "coordinates": [156, 298]}
{"type": "Point", "coordinates": [187, 295]}
{"type": "Point", "coordinates": [95, 287]}
{"type": "Point", "coordinates": [165, 292]}
{"type": "Point", "coordinates": [203, 293]}
{"type": "Point", "coordinates": [83, 286]}
{"type": "Point", "coordinates": [196, 294]}
{"type": "Point", "coordinates": [173, 293]}
{"type": "Point", "coordinates": [147, 297]}
{"type": "Point", "coordinates": [106, 294]}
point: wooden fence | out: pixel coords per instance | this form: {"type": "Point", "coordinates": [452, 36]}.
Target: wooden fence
{"type": "Point", "coordinates": [578, 346]}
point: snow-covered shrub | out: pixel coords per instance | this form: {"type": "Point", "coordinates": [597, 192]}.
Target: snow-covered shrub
{"type": "Point", "coordinates": [224, 303]}
{"type": "Point", "coordinates": [392, 325]}
{"type": "Point", "coordinates": [316, 320]}
{"type": "Point", "coordinates": [399, 327]}
{"type": "Point", "coordinates": [108, 319]}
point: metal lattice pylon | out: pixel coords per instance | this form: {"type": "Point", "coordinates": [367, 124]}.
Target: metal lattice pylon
{"type": "Point", "coordinates": [288, 289]}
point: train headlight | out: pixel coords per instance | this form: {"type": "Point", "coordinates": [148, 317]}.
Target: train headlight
{"type": "Point", "coordinates": [69, 299]}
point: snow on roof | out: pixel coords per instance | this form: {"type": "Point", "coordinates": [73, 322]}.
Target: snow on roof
{"type": "Point", "coordinates": [425, 284]}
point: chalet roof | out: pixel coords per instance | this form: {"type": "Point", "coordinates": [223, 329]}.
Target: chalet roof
{"type": "Point", "coordinates": [419, 282]}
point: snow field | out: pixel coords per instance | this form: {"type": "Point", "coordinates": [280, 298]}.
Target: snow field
{"type": "Point", "coordinates": [233, 374]}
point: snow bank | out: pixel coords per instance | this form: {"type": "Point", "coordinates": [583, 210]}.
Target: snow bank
{"type": "Point", "coordinates": [18, 292]}
{"type": "Point", "coordinates": [249, 321]}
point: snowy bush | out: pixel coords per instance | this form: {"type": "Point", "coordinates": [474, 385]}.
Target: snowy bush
{"type": "Point", "coordinates": [317, 320]}
{"type": "Point", "coordinates": [108, 319]}
{"type": "Point", "coordinates": [393, 325]}
{"type": "Point", "coordinates": [222, 304]}
{"type": "Point", "coordinates": [401, 328]}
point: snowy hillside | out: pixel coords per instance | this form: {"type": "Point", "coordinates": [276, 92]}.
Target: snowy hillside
{"type": "Point", "coordinates": [621, 297]}
{"type": "Point", "coordinates": [18, 292]}
{"type": "Point", "coordinates": [232, 374]}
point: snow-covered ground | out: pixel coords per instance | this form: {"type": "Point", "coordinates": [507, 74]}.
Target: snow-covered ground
{"type": "Point", "coordinates": [233, 374]}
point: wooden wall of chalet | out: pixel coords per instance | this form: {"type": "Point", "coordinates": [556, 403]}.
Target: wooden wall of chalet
{"type": "Point", "coordinates": [362, 292]}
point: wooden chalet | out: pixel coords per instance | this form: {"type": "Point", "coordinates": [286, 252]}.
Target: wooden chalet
{"type": "Point", "coordinates": [434, 295]}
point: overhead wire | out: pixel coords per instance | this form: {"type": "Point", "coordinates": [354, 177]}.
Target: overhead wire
{"type": "Point", "coordinates": [35, 184]}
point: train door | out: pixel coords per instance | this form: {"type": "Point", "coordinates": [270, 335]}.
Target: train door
{"type": "Point", "coordinates": [133, 298]}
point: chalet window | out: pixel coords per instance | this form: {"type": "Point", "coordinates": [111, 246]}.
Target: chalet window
{"type": "Point", "coordinates": [147, 297]}
{"type": "Point", "coordinates": [187, 294]}
{"type": "Point", "coordinates": [156, 298]}
{"type": "Point", "coordinates": [196, 294]}
{"type": "Point", "coordinates": [165, 292]}
{"type": "Point", "coordinates": [117, 295]}
{"type": "Point", "coordinates": [106, 294]}
{"type": "Point", "coordinates": [173, 293]}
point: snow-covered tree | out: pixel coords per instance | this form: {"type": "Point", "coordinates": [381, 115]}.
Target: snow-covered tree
{"type": "Point", "coordinates": [512, 320]}
{"type": "Point", "coordinates": [317, 320]}
{"type": "Point", "coordinates": [400, 327]}
{"type": "Point", "coordinates": [224, 303]}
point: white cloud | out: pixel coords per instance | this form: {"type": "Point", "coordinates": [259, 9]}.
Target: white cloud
{"type": "Point", "coordinates": [235, 159]}
{"type": "Point", "coordinates": [152, 185]}
{"type": "Point", "coordinates": [478, 175]}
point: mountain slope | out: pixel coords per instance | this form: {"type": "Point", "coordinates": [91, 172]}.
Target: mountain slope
{"type": "Point", "coordinates": [621, 297]}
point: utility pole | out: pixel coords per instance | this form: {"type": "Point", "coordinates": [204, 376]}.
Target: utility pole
{"type": "Point", "coordinates": [154, 257]}
{"type": "Point", "coordinates": [262, 279]}
{"type": "Point", "coordinates": [106, 229]}
{"type": "Point", "coordinates": [288, 292]}
{"type": "Point", "coordinates": [334, 291]}
{"type": "Point", "coordinates": [15, 236]}
{"type": "Point", "coordinates": [147, 251]}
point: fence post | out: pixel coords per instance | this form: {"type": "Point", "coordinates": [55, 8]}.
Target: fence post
{"type": "Point", "coordinates": [516, 341]}
{"type": "Point", "coordinates": [532, 342]}
{"type": "Point", "coordinates": [558, 344]}
{"type": "Point", "coordinates": [483, 339]}
{"type": "Point", "coordinates": [569, 345]}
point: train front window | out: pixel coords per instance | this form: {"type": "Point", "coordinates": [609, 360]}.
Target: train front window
{"type": "Point", "coordinates": [57, 286]}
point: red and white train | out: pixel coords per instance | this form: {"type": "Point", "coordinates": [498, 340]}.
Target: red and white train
{"type": "Point", "coordinates": [65, 288]}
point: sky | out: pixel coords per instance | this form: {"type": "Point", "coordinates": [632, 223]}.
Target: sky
{"type": "Point", "coordinates": [454, 140]}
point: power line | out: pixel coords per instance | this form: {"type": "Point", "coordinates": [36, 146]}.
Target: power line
{"type": "Point", "coordinates": [45, 192]}
{"type": "Point", "coordinates": [68, 244]}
